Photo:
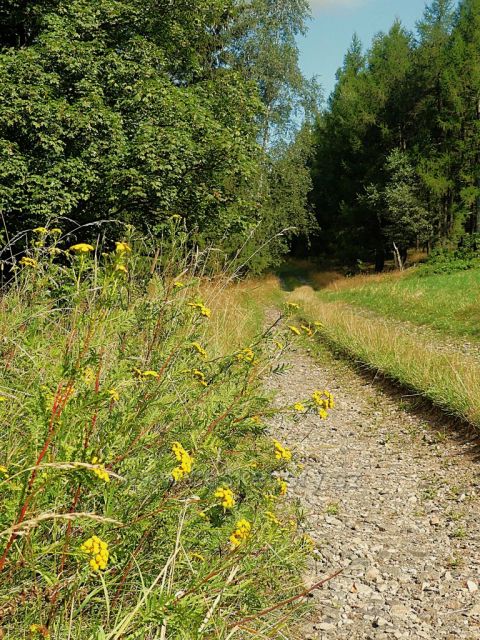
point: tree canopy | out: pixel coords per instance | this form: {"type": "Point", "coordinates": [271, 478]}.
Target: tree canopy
{"type": "Point", "coordinates": [397, 148]}
{"type": "Point", "coordinates": [138, 109]}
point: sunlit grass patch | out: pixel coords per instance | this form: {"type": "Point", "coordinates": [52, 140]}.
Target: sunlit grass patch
{"type": "Point", "coordinates": [448, 302]}
{"type": "Point", "coordinates": [444, 376]}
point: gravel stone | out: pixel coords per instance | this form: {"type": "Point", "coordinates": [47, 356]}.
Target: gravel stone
{"type": "Point", "coordinates": [406, 529]}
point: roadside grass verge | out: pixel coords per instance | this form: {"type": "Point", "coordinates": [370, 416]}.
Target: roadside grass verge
{"type": "Point", "coordinates": [239, 310]}
{"type": "Point", "coordinates": [449, 380]}
{"type": "Point", "coordinates": [140, 493]}
{"type": "Point", "coordinates": [448, 302]}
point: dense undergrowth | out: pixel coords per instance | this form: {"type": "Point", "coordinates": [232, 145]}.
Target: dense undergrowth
{"type": "Point", "coordinates": [141, 495]}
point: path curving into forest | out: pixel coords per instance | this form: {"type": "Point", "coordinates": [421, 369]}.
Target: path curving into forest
{"type": "Point", "coordinates": [392, 497]}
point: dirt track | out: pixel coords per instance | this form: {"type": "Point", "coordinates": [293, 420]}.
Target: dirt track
{"type": "Point", "coordinates": [392, 497]}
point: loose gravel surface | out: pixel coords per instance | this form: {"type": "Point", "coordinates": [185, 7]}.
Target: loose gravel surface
{"type": "Point", "coordinates": [391, 496]}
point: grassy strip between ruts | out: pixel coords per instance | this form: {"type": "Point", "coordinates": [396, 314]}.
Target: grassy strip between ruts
{"type": "Point", "coordinates": [448, 379]}
{"type": "Point", "coordinates": [141, 495]}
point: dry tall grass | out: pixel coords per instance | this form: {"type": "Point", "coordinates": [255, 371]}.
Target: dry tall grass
{"type": "Point", "coordinates": [239, 309]}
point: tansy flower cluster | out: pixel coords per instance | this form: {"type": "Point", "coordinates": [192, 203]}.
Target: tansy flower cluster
{"type": "Point", "coordinates": [80, 248]}
{"type": "Point", "coordinates": [100, 471]}
{"type": "Point", "coordinates": [298, 406]}
{"type": "Point", "coordinates": [281, 452]}
{"type": "Point", "coordinates": [145, 375]}
{"type": "Point", "coordinates": [241, 533]}
{"type": "Point", "coordinates": [226, 496]}
{"type": "Point", "coordinates": [203, 310]}
{"type": "Point", "coordinates": [199, 349]}
{"type": "Point", "coordinates": [114, 395]}
{"type": "Point", "coordinates": [122, 247]}
{"type": "Point", "coordinates": [283, 486]}
{"type": "Point", "coordinates": [28, 262]}
{"type": "Point", "coordinates": [43, 231]}
{"type": "Point", "coordinates": [185, 460]}
{"type": "Point", "coordinates": [246, 355]}
{"type": "Point", "coordinates": [324, 401]}
{"type": "Point", "coordinates": [98, 549]}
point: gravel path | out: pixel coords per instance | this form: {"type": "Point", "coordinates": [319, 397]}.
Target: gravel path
{"type": "Point", "coordinates": [392, 496]}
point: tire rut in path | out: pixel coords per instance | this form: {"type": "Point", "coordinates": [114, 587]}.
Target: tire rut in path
{"type": "Point", "coordinates": [390, 496]}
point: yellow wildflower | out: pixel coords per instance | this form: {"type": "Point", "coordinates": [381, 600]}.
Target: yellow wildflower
{"type": "Point", "coordinates": [100, 471]}
{"type": "Point", "coordinates": [200, 377]}
{"type": "Point", "coordinates": [293, 305]}
{"type": "Point", "coordinates": [185, 460]}
{"type": "Point", "coordinates": [241, 533]}
{"type": "Point", "coordinates": [322, 413]}
{"type": "Point", "coordinates": [203, 310]}
{"type": "Point", "coordinates": [307, 330]}
{"type": "Point", "coordinates": [246, 355]}
{"type": "Point", "coordinates": [40, 630]}
{"type": "Point", "coordinates": [122, 247]}
{"type": "Point", "coordinates": [323, 399]}
{"type": "Point", "coordinates": [28, 262]}
{"type": "Point", "coordinates": [283, 486]}
{"type": "Point", "coordinates": [319, 325]}
{"type": "Point", "coordinates": [40, 230]}
{"type": "Point", "coordinates": [4, 471]}
{"type": "Point", "coordinates": [82, 247]}
{"type": "Point", "coordinates": [114, 395]}
{"type": "Point", "coordinates": [98, 549]}
{"type": "Point", "coordinates": [226, 496]}
{"type": "Point", "coordinates": [199, 349]}
{"type": "Point", "coordinates": [178, 285]}
{"type": "Point", "coordinates": [121, 268]}
{"type": "Point", "coordinates": [281, 452]}
{"type": "Point", "coordinates": [294, 330]}
{"type": "Point", "coordinates": [279, 345]}
{"type": "Point", "coordinates": [146, 374]}
{"type": "Point", "coordinates": [298, 406]}
{"type": "Point", "coordinates": [56, 231]}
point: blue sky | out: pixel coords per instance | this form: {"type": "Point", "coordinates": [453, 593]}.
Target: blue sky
{"type": "Point", "coordinates": [334, 23]}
